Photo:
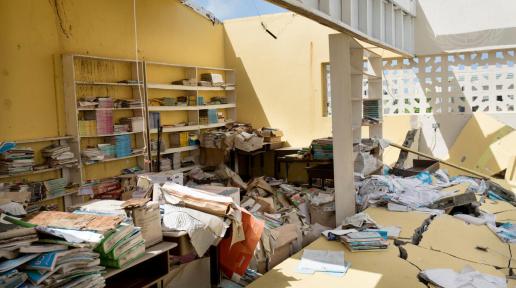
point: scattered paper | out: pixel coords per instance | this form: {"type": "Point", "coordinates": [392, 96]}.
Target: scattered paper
{"type": "Point", "coordinates": [468, 277]}
{"type": "Point", "coordinates": [323, 261]}
{"type": "Point", "coordinates": [337, 232]}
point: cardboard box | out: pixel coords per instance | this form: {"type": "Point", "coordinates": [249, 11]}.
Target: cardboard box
{"type": "Point", "coordinates": [212, 156]}
{"type": "Point", "coordinates": [275, 146]}
{"type": "Point", "coordinates": [323, 214]}
{"type": "Point", "coordinates": [248, 142]}
{"type": "Point", "coordinates": [272, 139]}
{"type": "Point", "coordinates": [280, 254]}
{"type": "Point", "coordinates": [285, 236]}
{"type": "Point", "coordinates": [184, 245]}
{"type": "Point", "coordinates": [192, 274]}
{"type": "Point", "coordinates": [149, 219]}
{"type": "Point", "coordinates": [271, 132]}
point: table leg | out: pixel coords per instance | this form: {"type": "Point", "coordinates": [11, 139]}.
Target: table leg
{"type": "Point", "coordinates": [250, 163]}
{"type": "Point", "coordinates": [262, 164]}
{"type": "Point", "coordinates": [214, 266]}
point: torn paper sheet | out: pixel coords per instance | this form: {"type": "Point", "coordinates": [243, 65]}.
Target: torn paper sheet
{"type": "Point", "coordinates": [197, 199]}
{"type": "Point", "coordinates": [359, 220]}
{"type": "Point", "coordinates": [467, 277]}
{"type": "Point", "coordinates": [322, 261]}
{"type": "Point", "coordinates": [73, 236]}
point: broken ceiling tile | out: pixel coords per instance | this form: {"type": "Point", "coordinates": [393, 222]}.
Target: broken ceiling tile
{"type": "Point", "coordinates": [454, 237]}
{"type": "Point", "coordinates": [428, 259]}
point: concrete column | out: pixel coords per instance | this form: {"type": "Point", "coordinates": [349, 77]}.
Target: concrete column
{"type": "Point", "coordinates": [340, 45]}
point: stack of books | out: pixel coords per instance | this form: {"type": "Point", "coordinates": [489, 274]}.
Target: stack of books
{"type": "Point", "coordinates": [59, 155]}
{"type": "Point", "coordinates": [92, 155]}
{"type": "Point", "coordinates": [49, 259]}
{"type": "Point", "coordinates": [17, 161]}
{"type": "Point", "coordinates": [365, 240]}
{"type": "Point", "coordinates": [104, 122]}
{"type": "Point", "coordinates": [13, 238]}
{"type": "Point", "coordinates": [55, 187]}
{"type": "Point", "coordinates": [122, 145]}
{"type": "Point", "coordinates": [122, 246]}
{"type": "Point", "coordinates": [322, 148]}
{"type": "Point", "coordinates": [87, 127]}
{"type": "Point", "coordinates": [68, 266]}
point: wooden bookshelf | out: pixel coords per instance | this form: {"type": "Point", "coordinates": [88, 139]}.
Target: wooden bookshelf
{"type": "Point", "coordinates": [94, 76]}
{"type": "Point", "coordinates": [147, 80]}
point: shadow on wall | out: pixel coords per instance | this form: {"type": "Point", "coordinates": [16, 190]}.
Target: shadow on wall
{"type": "Point", "coordinates": [249, 108]}
{"type": "Point", "coordinates": [430, 41]}
{"type": "Point", "coordinates": [442, 92]}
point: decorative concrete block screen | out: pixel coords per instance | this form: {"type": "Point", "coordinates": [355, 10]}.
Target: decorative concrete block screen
{"type": "Point", "coordinates": [450, 83]}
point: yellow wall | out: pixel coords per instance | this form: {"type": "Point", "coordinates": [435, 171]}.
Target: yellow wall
{"type": "Point", "coordinates": [279, 81]}
{"type": "Point", "coordinates": [36, 32]}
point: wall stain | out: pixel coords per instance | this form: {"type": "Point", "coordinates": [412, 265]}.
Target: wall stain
{"type": "Point", "coordinates": [60, 14]}
{"type": "Point", "coordinates": [8, 104]}
{"type": "Point", "coordinates": [5, 72]}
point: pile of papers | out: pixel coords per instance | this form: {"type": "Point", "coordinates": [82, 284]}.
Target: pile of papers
{"type": "Point", "coordinates": [13, 238]}
{"type": "Point", "coordinates": [17, 161]}
{"type": "Point", "coordinates": [323, 261]}
{"type": "Point", "coordinates": [91, 155]}
{"type": "Point", "coordinates": [199, 213]}
{"type": "Point", "coordinates": [467, 277]}
{"type": "Point", "coordinates": [59, 155]}
{"type": "Point", "coordinates": [59, 257]}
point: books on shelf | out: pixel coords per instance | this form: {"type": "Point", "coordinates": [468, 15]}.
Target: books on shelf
{"type": "Point", "coordinates": [122, 144]}
{"type": "Point", "coordinates": [59, 155]}
{"type": "Point", "coordinates": [17, 160]}
{"type": "Point", "coordinates": [135, 123]}
{"type": "Point", "coordinates": [87, 127]}
{"type": "Point", "coordinates": [55, 187]}
{"type": "Point", "coordinates": [104, 122]}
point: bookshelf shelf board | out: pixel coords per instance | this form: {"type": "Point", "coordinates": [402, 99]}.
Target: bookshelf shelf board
{"type": "Point", "coordinates": [94, 83]}
{"type": "Point", "coordinates": [188, 88]}
{"type": "Point", "coordinates": [110, 135]}
{"type": "Point", "coordinates": [177, 150]}
{"type": "Point", "coordinates": [109, 109]}
{"type": "Point", "coordinates": [114, 159]}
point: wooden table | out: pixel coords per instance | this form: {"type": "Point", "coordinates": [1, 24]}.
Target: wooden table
{"type": "Point", "coordinates": [382, 269]}
{"type": "Point", "coordinates": [290, 160]}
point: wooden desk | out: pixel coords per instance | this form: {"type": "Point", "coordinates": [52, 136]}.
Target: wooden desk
{"type": "Point", "coordinates": [368, 270]}
{"type": "Point", "coordinates": [289, 160]}
{"type": "Point", "coordinates": [321, 171]}
{"type": "Point", "coordinates": [250, 161]}
{"type": "Point", "coordinates": [146, 271]}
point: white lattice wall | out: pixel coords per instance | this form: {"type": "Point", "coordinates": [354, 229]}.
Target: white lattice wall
{"type": "Point", "coordinates": [451, 83]}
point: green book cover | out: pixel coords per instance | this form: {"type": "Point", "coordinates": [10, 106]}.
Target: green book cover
{"type": "Point", "coordinates": [126, 258]}
{"type": "Point", "coordinates": [112, 238]}
{"type": "Point", "coordinates": [125, 244]}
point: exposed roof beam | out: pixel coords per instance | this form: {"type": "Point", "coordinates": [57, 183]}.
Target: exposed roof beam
{"type": "Point", "coordinates": [326, 20]}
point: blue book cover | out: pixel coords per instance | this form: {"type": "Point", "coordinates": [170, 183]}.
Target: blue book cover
{"type": "Point", "coordinates": [46, 261]}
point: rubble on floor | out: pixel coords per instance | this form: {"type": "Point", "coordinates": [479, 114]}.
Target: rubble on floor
{"type": "Point", "coordinates": [422, 230]}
